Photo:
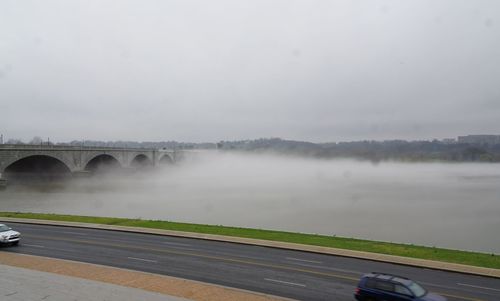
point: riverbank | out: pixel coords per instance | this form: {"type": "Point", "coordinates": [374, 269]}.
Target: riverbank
{"type": "Point", "coordinates": [403, 250]}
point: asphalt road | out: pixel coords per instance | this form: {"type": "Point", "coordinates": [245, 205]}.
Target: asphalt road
{"type": "Point", "coordinates": [292, 274]}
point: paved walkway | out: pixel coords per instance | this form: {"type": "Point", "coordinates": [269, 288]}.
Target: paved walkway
{"type": "Point", "coordinates": [20, 284]}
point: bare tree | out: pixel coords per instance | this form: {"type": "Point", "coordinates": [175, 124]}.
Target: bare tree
{"type": "Point", "coordinates": [14, 141]}
{"type": "Point", "coordinates": [36, 140]}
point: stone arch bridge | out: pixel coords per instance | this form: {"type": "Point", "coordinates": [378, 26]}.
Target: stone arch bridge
{"type": "Point", "coordinates": [54, 159]}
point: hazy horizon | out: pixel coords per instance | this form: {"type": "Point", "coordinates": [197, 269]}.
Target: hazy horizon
{"type": "Point", "coordinates": [243, 139]}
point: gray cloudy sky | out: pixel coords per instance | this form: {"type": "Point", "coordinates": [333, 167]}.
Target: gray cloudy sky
{"type": "Point", "coordinates": [224, 69]}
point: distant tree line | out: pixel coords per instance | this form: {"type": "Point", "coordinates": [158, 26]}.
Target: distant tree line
{"type": "Point", "coordinates": [399, 150]}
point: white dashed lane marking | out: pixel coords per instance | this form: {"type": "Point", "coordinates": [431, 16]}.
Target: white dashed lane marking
{"type": "Point", "coordinates": [302, 260]}
{"type": "Point", "coordinates": [36, 246]}
{"type": "Point", "coordinates": [142, 259]}
{"type": "Point", "coordinates": [477, 286]}
{"type": "Point", "coordinates": [285, 282]}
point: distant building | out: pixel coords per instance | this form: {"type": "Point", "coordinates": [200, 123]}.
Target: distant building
{"type": "Point", "coordinates": [449, 141]}
{"type": "Point", "coordinates": [479, 139]}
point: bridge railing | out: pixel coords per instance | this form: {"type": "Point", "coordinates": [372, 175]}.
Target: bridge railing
{"type": "Point", "coordinates": [69, 147]}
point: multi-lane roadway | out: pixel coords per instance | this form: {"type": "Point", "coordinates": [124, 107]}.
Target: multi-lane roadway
{"type": "Point", "coordinates": [292, 274]}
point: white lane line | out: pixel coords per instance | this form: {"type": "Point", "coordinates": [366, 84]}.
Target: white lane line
{"type": "Point", "coordinates": [36, 246]}
{"type": "Point", "coordinates": [285, 282]}
{"type": "Point", "coordinates": [142, 259]}
{"type": "Point", "coordinates": [477, 286]}
{"type": "Point", "coordinates": [330, 268]}
{"type": "Point", "coordinates": [48, 248]}
{"type": "Point", "coordinates": [63, 250]}
{"type": "Point", "coordinates": [74, 233]}
{"type": "Point", "coordinates": [232, 255]}
{"type": "Point", "coordinates": [303, 260]}
{"type": "Point", "coordinates": [176, 244]}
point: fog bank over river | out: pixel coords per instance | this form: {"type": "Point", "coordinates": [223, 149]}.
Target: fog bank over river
{"type": "Point", "coordinates": [437, 204]}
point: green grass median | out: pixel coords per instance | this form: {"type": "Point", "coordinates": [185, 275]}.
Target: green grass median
{"type": "Point", "coordinates": [406, 250]}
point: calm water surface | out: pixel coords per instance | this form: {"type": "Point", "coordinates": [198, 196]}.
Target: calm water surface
{"type": "Point", "coordinates": [436, 204]}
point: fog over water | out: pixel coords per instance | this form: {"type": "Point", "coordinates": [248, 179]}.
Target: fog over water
{"type": "Point", "coordinates": [437, 204]}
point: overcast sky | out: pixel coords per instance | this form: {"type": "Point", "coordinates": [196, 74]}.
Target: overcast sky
{"type": "Point", "coordinates": [223, 69]}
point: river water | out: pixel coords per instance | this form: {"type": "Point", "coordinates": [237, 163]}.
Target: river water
{"type": "Point", "coordinates": [452, 205]}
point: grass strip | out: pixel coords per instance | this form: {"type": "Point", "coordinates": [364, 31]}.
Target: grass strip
{"type": "Point", "coordinates": [406, 250]}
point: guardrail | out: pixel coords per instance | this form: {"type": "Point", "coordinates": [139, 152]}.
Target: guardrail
{"type": "Point", "coordinates": [73, 147]}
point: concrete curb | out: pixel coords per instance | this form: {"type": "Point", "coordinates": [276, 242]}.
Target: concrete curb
{"type": "Point", "coordinates": [422, 263]}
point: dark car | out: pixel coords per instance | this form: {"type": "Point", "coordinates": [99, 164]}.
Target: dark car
{"type": "Point", "coordinates": [385, 287]}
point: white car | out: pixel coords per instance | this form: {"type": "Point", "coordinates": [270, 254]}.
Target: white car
{"type": "Point", "coordinates": [9, 236]}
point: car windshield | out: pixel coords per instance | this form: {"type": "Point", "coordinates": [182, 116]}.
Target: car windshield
{"type": "Point", "coordinates": [417, 290]}
{"type": "Point", "coordinates": [4, 228]}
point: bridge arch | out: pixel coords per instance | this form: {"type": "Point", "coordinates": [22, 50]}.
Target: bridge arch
{"type": "Point", "coordinates": [37, 168]}
{"type": "Point", "coordinates": [102, 163]}
{"type": "Point", "coordinates": [166, 160]}
{"type": "Point", "coordinates": [141, 161]}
